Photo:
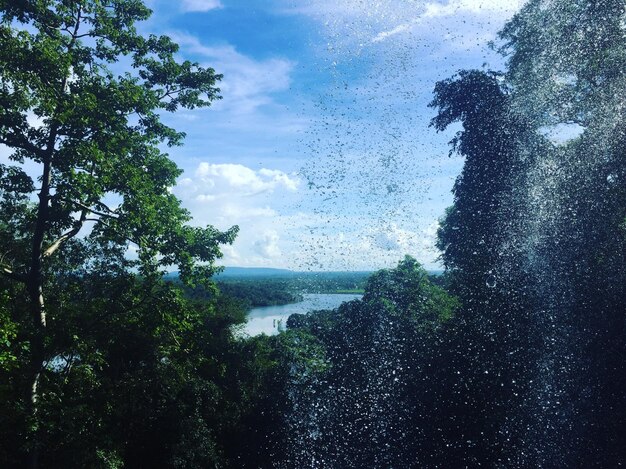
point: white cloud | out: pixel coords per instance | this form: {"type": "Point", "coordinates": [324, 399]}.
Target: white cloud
{"type": "Point", "coordinates": [200, 5]}
{"type": "Point", "coordinates": [455, 7]}
{"type": "Point", "coordinates": [359, 246]}
{"type": "Point", "coordinates": [236, 180]}
{"type": "Point", "coordinates": [257, 200]}
{"type": "Point", "coordinates": [234, 211]}
{"type": "Point", "coordinates": [433, 10]}
{"type": "Point", "coordinates": [267, 245]}
{"type": "Point", "coordinates": [376, 21]}
{"type": "Point", "coordinates": [247, 83]}
{"type": "Point", "coordinates": [397, 30]}
{"type": "Point", "coordinates": [392, 9]}
{"type": "Point", "coordinates": [274, 233]}
{"type": "Point", "coordinates": [393, 238]}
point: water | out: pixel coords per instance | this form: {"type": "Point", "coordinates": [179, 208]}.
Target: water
{"type": "Point", "coordinates": [269, 319]}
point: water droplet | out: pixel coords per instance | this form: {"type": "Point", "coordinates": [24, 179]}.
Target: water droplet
{"type": "Point", "coordinates": [492, 281]}
{"type": "Point", "coordinates": [611, 178]}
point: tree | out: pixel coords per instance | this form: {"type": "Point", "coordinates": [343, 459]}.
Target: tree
{"type": "Point", "coordinates": [565, 67]}
{"type": "Point", "coordinates": [476, 226]}
{"type": "Point", "coordinates": [482, 249]}
{"type": "Point", "coordinates": [374, 404]}
{"type": "Point", "coordinates": [535, 241]}
{"type": "Point", "coordinates": [94, 135]}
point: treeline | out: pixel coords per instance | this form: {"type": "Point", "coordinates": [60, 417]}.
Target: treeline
{"type": "Point", "coordinates": [254, 293]}
{"type": "Point", "coordinates": [282, 289]}
{"type": "Point", "coordinates": [303, 282]}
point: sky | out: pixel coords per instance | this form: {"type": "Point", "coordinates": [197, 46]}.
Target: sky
{"type": "Point", "coordinates": [320, 149]}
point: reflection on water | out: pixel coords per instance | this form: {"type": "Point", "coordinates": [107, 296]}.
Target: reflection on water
{"type": "Point", "coordinates": [270, 319]}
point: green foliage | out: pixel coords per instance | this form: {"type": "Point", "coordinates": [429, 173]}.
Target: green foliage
{"type": "Point", "coordinates": [100, 129]}
{"type": "Point", "coordinates": [492, 139]}
{"type": "Point", "coordinates": [368, 400]}
{"type": "Point", "coordinates": [407, 290]}
{"type": "Point", "coordinates": [102, 368]}
{"type": "Point", "coordinates": [302, 282]}
{"type": "Point", "coordinates": [535, 233]}
{"type": "Point", "coordinates": [565, 60]}
{"type": "Point", "coordinates": [253, 293]}
{"type": "Point", "coordinates": [139, 375]}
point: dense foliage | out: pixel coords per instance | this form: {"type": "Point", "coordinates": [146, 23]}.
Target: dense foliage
{"type": "Point", "coordinates": [535, 240]}
{"type": "Point", "coordinates": [367, 405]}
{"type": "Point", "coordinates": [95, 137]}
{"type": "Point", "coordinates": [261, 292]}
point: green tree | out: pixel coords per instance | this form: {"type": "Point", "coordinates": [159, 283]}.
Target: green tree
{"type": "Point", "coordinates": [94, 135]}
{"type": "Point", "coordinates": [535, 241]}
{"type": "Point", "coordinates": [477, 226]}
{"type": "Point", "coordinates": [566, 64]}
{"type": "Point", "coordinates": [482, 244]}
{"type": "Point", "coordinates": [142, 377]}
{"type": "Point", "coordinates": [373, 404]}
{"type": "Point", "coordinates": [407, 291]}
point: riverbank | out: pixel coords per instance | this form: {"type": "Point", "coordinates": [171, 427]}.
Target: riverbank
{"type": "Point", "coordinates": [270, 320]}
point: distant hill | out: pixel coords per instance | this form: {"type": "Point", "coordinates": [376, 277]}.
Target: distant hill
{"type": "Point", "coordinates": [248, 272]}
{"type": "Point", "coordinates": [272, 272]}
{"type": "Point", "coordinates": [268, 272]}
{"type": "Point", "coordinates": [264, 284]}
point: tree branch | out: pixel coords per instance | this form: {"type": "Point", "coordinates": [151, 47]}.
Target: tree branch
{"type": "Point", "coordinates": [12, 275]}
{"type": "Point", "coordinates": [108, 214]}
{"type": "Point", "coordinates": [66, 236]}
{"type": "Point", "coordinates": [16, 141]}
{"type": "Point", "coordinates": [107, 208]}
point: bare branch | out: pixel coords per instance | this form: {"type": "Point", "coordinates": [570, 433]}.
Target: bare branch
{"type": "Point", "coordinates": [7, 270]}
{"type": "Point", "coordinates": [12, 275]}
{"type": "Point", "coordinates": [107, 208]}
{"type": "Point", "coordinates": [66, 236]}
{"type": "Point", "coordinates": [169, 93]}
{"type": "Point", "coordinates": [111, 213]}
{"type": "Point", "coordinates": [130, 240]}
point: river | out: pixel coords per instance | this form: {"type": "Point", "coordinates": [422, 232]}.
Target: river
{"type": "Point", "coordinates": [268, 319]}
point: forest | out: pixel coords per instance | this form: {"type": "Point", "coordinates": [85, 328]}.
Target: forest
{"type": "Point", "coordinates": [515, 357]}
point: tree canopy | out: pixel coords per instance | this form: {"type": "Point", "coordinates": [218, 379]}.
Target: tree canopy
{"type": "Point", "coordinates": [82, 94]}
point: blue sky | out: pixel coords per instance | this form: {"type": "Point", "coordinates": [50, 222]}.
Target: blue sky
{"type": "Point", "coordinates": [320, 149]}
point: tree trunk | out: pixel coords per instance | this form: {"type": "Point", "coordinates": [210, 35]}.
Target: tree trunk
{"type": "Point", "coordinates": [35, 368]}
{"type": "Point", "coordinates": [34, 287]}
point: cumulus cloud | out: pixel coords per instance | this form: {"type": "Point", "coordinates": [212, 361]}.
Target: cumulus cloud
{"type": "Point", "coordinates": [214, 180]}
{"type": "Point", "coordinates": [360, 246]}
{"type": "Point", "coordinates": [247, 83]}
{"type": "Point", "coordinates": [200, 5]}
{"type": "Point", "coordinates": [390, 243]}
{"type": "Point", "coordinates": [393, 238]}
{"type": "Point", "coordinates": [232, 194]}
{"type": "Point", "coordinates": [267, 245]}
{"type": "Point", "coordinates": [257, 200]}
{"type": "Point", "coordinates": [273, 233]}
